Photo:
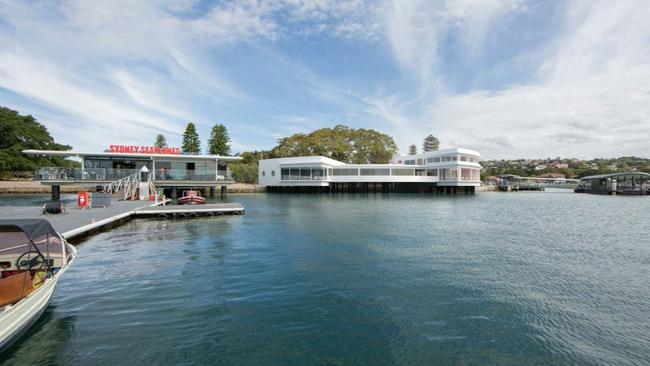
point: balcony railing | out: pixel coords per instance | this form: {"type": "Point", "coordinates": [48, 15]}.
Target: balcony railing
{"type": "Point", "coordinates": [191, 175]}
{"type": "Point", "coordinates": [110, 175]}
{"type": "Point", "coordinates": [91, 174]}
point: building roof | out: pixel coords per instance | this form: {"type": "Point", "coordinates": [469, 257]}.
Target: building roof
{"type": "Point", "coordinates": [604, 176]}
{"type": "Point", "coordinates": [81, 154]}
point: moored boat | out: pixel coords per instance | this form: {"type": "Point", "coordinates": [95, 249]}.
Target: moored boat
{"type": "Point", "coordinates": [191, 198]}
{"type": "Point", "coordinates": [33, 256]}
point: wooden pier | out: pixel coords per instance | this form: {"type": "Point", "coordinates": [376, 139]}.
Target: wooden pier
{"type": "Point", "coordinates": [76, 222]}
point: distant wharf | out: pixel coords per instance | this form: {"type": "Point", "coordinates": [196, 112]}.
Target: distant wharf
{"type": "Point", "coordinates": [77, 222]}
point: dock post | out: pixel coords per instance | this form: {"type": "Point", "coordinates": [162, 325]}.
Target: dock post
{"type": "Point", "coordinates": [211, 192]}
{"type": "Point", "coordinates": [174, 193]}
{"type": "Point", "coordinates": [224, 191]}
{"type": "Point", "coordinates": [56, 193]}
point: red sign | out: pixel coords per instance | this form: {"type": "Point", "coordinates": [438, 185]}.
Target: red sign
{"type": "Point", "coordinates": [131, 149]}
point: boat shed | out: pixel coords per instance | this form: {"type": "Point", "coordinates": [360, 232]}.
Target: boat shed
{"type": "Point", "coordinates": [629, 183]}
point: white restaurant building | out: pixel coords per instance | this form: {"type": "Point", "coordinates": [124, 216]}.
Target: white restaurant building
{"type": "Point", "coordinates": [450, 170]}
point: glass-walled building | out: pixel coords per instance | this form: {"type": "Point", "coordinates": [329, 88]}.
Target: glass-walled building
{"type": "Point", "coordinates": [443, 168]}
{"type": "Point", "coordinates": [166, 169]}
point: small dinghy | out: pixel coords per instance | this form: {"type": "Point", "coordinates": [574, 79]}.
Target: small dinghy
{"type": "Point", "coordinates": [191, 198]}
{"type": "Point", "coordinates": [33, 256]}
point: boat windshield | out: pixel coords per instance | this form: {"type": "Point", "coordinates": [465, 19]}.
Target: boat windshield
{"type": "Point", "coordinates": [29, 255]}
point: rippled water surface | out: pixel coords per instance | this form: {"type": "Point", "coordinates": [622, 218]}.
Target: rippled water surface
{"type": "Point", "coordinates": [497, 279]}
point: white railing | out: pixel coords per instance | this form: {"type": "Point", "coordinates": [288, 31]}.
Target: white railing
{"type": "Point", "coordinates": [128, 184]}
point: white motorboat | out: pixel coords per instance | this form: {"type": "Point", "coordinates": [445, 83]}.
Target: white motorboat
{"type": "Point", "coordinates": [33, 256]}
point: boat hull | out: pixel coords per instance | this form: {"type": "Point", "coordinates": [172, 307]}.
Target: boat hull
{"type": "Point", "coordinates": [15, 321]}
{"type": "Point", "coordinates": [191, 200]}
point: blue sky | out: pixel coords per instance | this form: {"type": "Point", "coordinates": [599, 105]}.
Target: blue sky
{"type": "Point", "coordinates": [509, 78]}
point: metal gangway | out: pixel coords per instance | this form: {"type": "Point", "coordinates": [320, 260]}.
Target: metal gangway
{"type": "Point", "coordinates": [129, 186]}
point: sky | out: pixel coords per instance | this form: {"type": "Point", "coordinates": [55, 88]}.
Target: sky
{"type": "Point", "coordinates": [508, 78]}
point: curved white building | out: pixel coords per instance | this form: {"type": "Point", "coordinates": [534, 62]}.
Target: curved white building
{"type": "Point", "coordinates": [449, 170]}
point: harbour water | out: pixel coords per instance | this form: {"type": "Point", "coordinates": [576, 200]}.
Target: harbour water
{"type": "Point", "coordinates": [541, 278]}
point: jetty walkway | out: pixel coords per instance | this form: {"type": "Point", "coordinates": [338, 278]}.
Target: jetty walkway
{"type": "Point", "coordinates": [77, 222]}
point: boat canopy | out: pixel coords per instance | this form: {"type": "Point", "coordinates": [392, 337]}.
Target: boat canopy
{"type": "Point", "coordinates": [30, 239]}
{"type": "Point", "coordinates": [34, 229]}
{"type": "Point", "coordinates": [31, 251]}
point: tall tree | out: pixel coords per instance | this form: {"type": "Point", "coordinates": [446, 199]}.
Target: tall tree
{"type": "Point", "coordinates": [431, 143]}
{"type": "Point", "coordinates": [218, 142]}
{"type": "Point", "coordinates": [413, 150]}
{"type": "Point", "coordinates": [21, 133]}
{"type": "Point", "coordinates": [161, 141]}
{"type": "Point", "coordinates": [341, 143]}
{"type": "Point", "coordinates": [191, 142]}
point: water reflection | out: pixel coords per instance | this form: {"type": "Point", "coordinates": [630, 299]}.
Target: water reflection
{"type": "Point", "coordinates": [45, 342]}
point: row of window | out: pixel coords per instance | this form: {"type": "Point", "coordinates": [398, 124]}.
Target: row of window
{"type": "Point", "coordinates": [307, 173]}
{"type": "Point", "coordinates": [438, 159]}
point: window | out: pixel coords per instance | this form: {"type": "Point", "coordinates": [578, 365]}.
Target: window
{"type": "Point", "coordinates": [316, 173]}
{"type": "Point", "coordinates": [273, 173]}
{"type": "Point", "coordinates": [420, 161]}
{"type": "Point", "coordinates": [263, 173]}
{"type": "Point", "coordinates": [463, 158]}
{"type": "Point", "coordinates": [409, 162]}
{"type": "Point", "coordinates": [448, 174]}
{"type": "Point", "coordinates": [402, 171]}
{"type": "Point", "coordinates": [284, 174]}
{"type": "Point", "coordinates": [436, 159]}
{"type": "Point", "coordinates": [429, 160]}
{"type": "Point", "coordinates": [295, 174]}
{"type": "Point", "coordinates": [432, 172]}
{"type": "Point", "coordinates": [305, 174]}
{"type": "Point", "coordinates": [473, 160]}
{"type": "Point", "coordinates": [376, 171]}
{"type": "Point", "coordinates": [346, 171]}
{"type": "Point", "coordinates": [454, 158]}
{"type": "Point", "coordinates": [446, 158]}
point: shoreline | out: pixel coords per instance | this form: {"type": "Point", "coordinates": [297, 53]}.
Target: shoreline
{"type": "Point", "coordinates": [34, 187]}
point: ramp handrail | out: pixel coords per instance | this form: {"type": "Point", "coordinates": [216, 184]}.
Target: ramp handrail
{"type": "Point", "coordinates": [128, 184]}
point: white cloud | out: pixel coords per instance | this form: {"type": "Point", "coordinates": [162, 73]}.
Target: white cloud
{"type": "Point", "coordinates": [605, 114]}
{"type": "Point", "coordinates": [590, 97]}
{"type": "Point", "coordinates": [113, 66]}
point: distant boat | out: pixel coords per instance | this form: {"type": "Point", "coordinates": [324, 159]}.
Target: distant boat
{"type": "Point", "coordinates": [33, 256]}
{"type": "Point", "coordinates": [191, 198]}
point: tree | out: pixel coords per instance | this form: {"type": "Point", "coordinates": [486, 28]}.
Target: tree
{"type": "Point", "coordinates": [191, 142]}
{"type": "Point", "coordinates": [431, 143]}
{"type": "Point", "coordinates": [218, 142]}
{"type": "Point", "coordinates": [349, 145]}
{"type": "Point", "coordinates": [161, 141]}
{"type": "Point", "coordinates": [21, 133]}
{"type": "Point", "coordinates": [413, 150]}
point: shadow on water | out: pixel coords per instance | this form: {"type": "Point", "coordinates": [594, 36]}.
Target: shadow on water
{"type": "Point", "coordinates": [43, 343]}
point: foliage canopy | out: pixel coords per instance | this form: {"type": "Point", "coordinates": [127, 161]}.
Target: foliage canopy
{"type": "Point", "coordinates": [20, 133]}
{"type": "Point", "coordinates": [161, 141]}
{"type": "Point", "coordinates": [355, 146]}
{"type": "Point", "coordinates": [191, 141]}
{"type": "Point", "coordinates": [218, 142]}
